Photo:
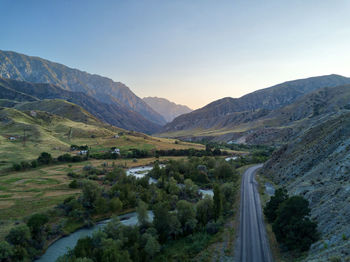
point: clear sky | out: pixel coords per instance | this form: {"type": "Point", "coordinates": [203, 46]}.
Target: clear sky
{"type": "Point", "coordinates": [189, 51]}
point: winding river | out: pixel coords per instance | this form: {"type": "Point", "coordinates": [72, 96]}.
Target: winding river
{"type": "Point", "coordinates": [61, 246]}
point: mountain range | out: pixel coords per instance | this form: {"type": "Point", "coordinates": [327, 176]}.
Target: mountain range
{"type": "Point", "coordinates": [258, 117]}
{"type": "Point", "coordinates": [37, 70]}
{"type": "Point", "coordinates": [169, 110]}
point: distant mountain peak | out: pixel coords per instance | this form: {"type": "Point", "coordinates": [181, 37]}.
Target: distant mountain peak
{"type": "Point", "coordinates": [169, 110]}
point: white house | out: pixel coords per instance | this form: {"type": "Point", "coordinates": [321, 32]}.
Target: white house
{"type": "Point", "coordinates": [116, 151]}
{"type": "Point", "coordinates": [83, 152]}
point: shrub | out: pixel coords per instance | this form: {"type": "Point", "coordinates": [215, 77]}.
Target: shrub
{"type": "Point", "coordinates": [293, 226]}
{"type": "Point", "coordinates": [34, 163]}
{"type": "Point", "coordinates": [74, 184]}
{"type": "Point", "coordinates": [44, 158]}
{"type": "Point", "coordinates": [16, 167]}
{"type": "Point", "coordinates": [270, 210]}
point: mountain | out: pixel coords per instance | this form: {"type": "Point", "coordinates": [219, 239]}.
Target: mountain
{"type": "Point", "coordinates": [169, 110]}
{"type": "Point", "coordinates": [114, 114]}
{"type": "Point", "coordinates": [223, 116]}
{"type": "Point", "coordinates": [37, 70]}
{"type": "Point", "coordinates": [316, 165]}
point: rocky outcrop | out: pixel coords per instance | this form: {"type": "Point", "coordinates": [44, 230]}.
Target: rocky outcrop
{"type": "Point", "coordinates": [317, 166]}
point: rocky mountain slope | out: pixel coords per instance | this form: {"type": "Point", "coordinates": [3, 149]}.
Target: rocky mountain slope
{"type": "Point", "coordinates": [317, 166]}
{"type": "Point", "coordinates": [37, 70]}
{"type": "Point", "coordinates": [169, 110]}
{"type": "Point", "coordinates": [114, 114]}
{"type": "Point", "coordinates": [226, 113]}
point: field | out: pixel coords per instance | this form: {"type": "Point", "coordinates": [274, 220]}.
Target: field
{"type": "Point", "coordinates": [26, 192]}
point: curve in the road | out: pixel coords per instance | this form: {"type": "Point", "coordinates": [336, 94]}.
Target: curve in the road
{"type": "Point", "coordinates": [252, 243]}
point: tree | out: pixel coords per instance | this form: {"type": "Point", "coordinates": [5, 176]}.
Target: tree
{"type": "Point", "coordinates": [6, 251]}
{"type": "Point", "coordinates": [84, 247]}
{"type": "Point", "coordinates": [191, 189]}
{"type": "Point", "coordinates": [142, 213]}
{"type": "Point", "coordinates": [161, 220]}
{"type": "Point", "coordinates": [152, 246]}
{"type": "Point", "coordinates": [174, 226]}
{"type": "Point", "coordinates": [115, 205]}
{"type": "Point", "coordinates": [113, 253]}
{"type": "Point", "coordinates": [228, 193]}
{"type": "Point", "coordinates": [205, 210]}
{"type": "Point", "coordinates": [186, 215]}
{"type": "Point", "coordinates": [223, 171]}
{"type": "Point", "coordinates": [217, 202]}
{"type": "Point", "coordinates": [19, 236]}
{"type": "Point", "coordinates": [44, 158]}
{"type": "Point", "coordinates": [91, 192]}
{"type": "Point", "coordinates": [36, 225]}
{"type": "Point", "coordinates": [270, 210]}
{"type": "Point", "coordinates": [293, 226]}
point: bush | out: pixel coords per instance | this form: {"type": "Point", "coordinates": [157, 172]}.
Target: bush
{"type": "Point", "coordinates": [34, 163]}
{"type": "Point", "coordinates": [74, 184]}
{"type": "Point", "coordinates": [293, 227]}
{"type": "Point", "coordinates": [270, 210]}
{"type": "Point", "coordinates": [16, 167]}
{"type": "Point", "coordinates": [44, 158]}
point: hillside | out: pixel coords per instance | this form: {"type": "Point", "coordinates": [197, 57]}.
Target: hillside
{"type": "Point", "coordinates": [114, 114]}
{"type": "Point", "coordinates": [316, 165]}
{"type": "Point", "coordinates": [220, 116]}
{"type": "Point", "coordinates": [61, 108]}
{"type": "Point", "coordinates": [169, 110]}
{"type": "Point", "coordinates": [36, 131]}
{"type": "Point", "coordinates": [37, 70]}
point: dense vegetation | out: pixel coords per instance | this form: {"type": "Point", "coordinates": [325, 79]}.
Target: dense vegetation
{"type": "Point", "coordinates": [181, 213]}
{"type": "Point", "coordinates": [290, 218]}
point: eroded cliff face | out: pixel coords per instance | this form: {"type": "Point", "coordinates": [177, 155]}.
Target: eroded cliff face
{"type": "Point", "coordinates": [317, 166]}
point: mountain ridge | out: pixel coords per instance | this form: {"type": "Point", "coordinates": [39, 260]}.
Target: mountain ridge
{"type": "Point", "coordinates": [222, 114]}
{"type": "Point", "coordinates": [113, 114]}
{"type": "Point", "coordinates": [38, 70]}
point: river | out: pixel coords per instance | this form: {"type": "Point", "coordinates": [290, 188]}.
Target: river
{"type": "Point", "coordinates": [61, 246]}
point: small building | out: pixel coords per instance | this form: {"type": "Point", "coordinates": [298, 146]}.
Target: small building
{"type": "Point", "coordinates": [82, 152]}
{"type": "Point", "coordinates": [115, 151]}
{"type": "Point", "coordinates": [12, 138]}
{"type": "Point", "coordinates": [115, 136]}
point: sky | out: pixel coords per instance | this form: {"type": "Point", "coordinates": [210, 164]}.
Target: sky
{"type": "Point", "coordinates": [191, 52]}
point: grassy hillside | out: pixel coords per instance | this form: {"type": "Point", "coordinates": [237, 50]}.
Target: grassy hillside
{"type": "Point", "coordinates": [36, 131]}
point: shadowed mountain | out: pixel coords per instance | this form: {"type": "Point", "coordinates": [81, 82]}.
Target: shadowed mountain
{"type": "Point", "coordinates": [169, 110]}
{"type": "Point", "coordinates": [114, 114]}
{"type": "Point", "coordinates": [37, 70]}
{"type": "Point", "coordinates": [227, 114]}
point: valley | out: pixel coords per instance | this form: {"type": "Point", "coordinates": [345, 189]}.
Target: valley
{"type": "Point", "coordinates": [72, 146]}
